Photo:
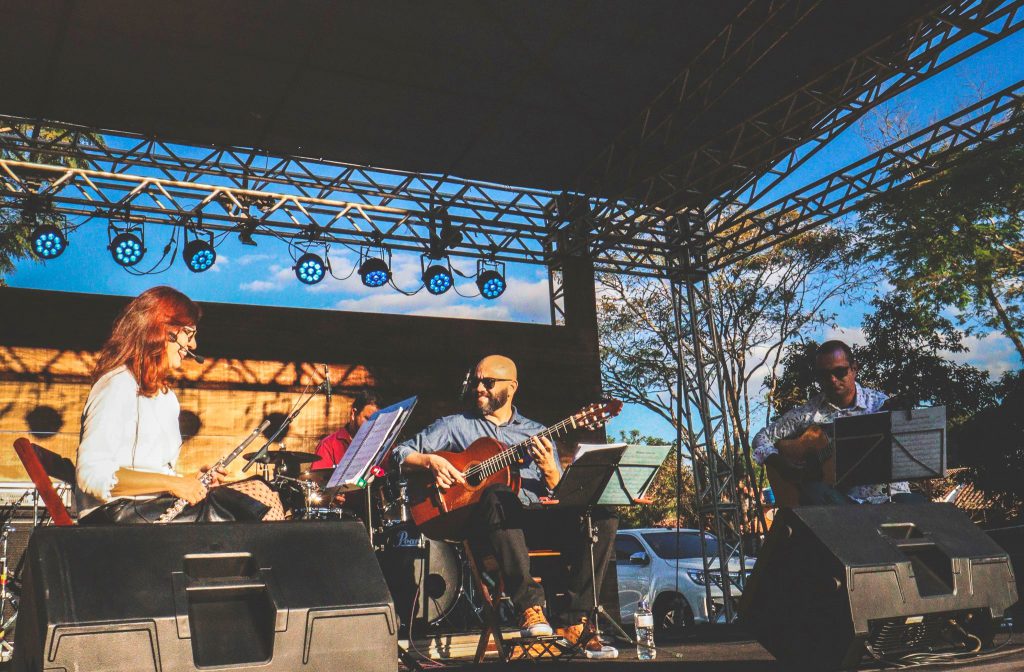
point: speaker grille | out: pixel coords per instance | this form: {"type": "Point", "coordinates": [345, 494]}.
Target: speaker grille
{"type": "Point", "coordinates": [893, 637]}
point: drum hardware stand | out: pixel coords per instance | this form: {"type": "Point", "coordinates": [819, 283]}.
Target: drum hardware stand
{"type": "Point", "coordinates": [6, 647]}
{"type": "Point", "coordinates": [7, 596]}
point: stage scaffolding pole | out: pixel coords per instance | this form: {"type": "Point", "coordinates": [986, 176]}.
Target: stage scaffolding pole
{"type": "Point", "coordinates": [709, 428]}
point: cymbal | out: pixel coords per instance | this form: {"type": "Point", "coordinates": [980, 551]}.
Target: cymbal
{"type": "Point", "coordinates": [318, 476]}
{"type": "Point", "coordinates": [279, 456]}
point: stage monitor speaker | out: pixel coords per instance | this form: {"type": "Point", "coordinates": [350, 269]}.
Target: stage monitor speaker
{"type": "Point", "coordinates": [295, 595]}
{"type": "Point", "coordinates": [835, 583]}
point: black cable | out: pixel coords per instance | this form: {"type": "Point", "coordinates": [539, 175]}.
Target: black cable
{"type": "Point", "coordinates": [398, 289]}
{"type": "Point", "coordinates": [330, 270]}
{"type": "Point", "coordinates": [173, 242]}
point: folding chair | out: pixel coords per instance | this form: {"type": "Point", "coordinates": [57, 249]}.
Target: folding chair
{"type": "Point", "coordinates": [488, 580]}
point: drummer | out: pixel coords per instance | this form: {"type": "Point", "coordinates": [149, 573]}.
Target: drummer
{"type": "Point", "coordinates": [332, 448]}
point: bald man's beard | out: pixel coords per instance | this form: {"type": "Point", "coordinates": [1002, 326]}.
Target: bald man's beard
{"type": "Point", "coordinates": [493, 401]}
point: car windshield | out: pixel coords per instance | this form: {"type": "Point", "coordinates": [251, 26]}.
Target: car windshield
{"type": "Point", "coordinates": [664, 544]}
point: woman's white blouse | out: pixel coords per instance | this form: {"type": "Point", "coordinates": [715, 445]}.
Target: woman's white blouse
{"type": "Point", "coordinates": [121, 428]}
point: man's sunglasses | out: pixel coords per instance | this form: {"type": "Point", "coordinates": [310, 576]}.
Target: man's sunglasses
{"type": "Point", "coordinates": [488, 382]}
{"type": "Point", "coordinates": [838, 373]}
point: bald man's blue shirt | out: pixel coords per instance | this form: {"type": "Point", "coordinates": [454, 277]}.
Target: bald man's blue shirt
{"type": "Point", "coordinates": [455, 433]}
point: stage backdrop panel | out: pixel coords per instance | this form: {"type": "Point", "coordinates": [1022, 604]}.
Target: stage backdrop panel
{"type": "Point", "coordinates": [258, 359]}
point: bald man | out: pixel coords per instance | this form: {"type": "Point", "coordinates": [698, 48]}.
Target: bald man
{"type": "Point", "coordinates": [510, 522]}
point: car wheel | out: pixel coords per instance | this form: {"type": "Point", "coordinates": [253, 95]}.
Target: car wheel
{"type": "Point", "coordinates": [673, 617]}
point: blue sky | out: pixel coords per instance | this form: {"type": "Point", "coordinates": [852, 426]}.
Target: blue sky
{"type": "Point", "coordinates": [262, 275]}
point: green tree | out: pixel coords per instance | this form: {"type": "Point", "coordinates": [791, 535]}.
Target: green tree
{"type": "Point", "coordinates": [992, 447]}
{"type": "Point", "coordinates": [956, 239]}
{"type": "Point", "coordinates": [761, 303]}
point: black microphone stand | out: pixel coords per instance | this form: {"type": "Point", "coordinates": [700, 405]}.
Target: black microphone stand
{"type": "Point", "coordinates": [262, 452]}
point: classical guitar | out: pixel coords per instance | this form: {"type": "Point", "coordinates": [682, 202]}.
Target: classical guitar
{"type": "Point", "coordinates": [441, 514]}
{"type": "Point", "coordinates": [812, 459]}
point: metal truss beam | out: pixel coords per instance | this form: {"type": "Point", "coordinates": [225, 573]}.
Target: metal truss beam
{"type": "Point", "coordinates": [83, 172]}
{"type": "Point", "coordinates": [817, 109]}
{"type": "Point", "coordinates": [709, 432]}
{"type": "Point", "coordinates": [290, 197]}
{"type": "Point", "coordinates": [984, 24]}
{"type": "Point", "coordinates": [900, 165]}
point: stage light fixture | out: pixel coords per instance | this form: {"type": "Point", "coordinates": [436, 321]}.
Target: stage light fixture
{"type": "Point", "coordinates": [128, 246]}
{"type": "Point", "coordinates": [373, 268]}
{"type": "Point", "coordinates": [437, 278]}
{"type": "Point", "coordinates": [48, 242]}
{"type": "Point", "coordinates": [490, 278]}
{"type": "Point", "coordinates": [199, 255]}
{"type": "Point", "coordinates": [310, 269]}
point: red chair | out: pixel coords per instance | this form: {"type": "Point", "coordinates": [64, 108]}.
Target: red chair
{"type": "Point", "coordinates": [40, 464]}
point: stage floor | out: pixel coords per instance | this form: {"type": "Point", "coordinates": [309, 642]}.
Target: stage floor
{"type": "Point", "coordinates": [744, 655]}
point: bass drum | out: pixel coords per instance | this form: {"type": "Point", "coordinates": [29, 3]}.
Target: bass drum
{"type": "Point", "coordinates": [409, 560]}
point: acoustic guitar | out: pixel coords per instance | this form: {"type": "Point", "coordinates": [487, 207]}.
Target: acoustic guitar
{"type": "Point", "coordinates": [812, 459]}
{"type": "Point", "coordinates": [442, 514]}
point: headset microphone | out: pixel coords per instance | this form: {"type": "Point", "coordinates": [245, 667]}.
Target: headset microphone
{"type": "Point", "coordinates": [173, 338]}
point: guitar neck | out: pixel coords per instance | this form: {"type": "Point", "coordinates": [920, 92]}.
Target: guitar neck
{"type": "Point", "coordinates": [517, 453]}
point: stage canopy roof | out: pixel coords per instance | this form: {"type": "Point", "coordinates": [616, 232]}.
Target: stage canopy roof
{"type": "Point", "coordinates": [525, 93]}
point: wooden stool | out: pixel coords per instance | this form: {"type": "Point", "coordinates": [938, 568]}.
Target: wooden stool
{"type": "Point", "coordinates": [488, 580]}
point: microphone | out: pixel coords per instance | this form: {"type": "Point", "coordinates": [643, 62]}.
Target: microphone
{"type": "Point", "coordinates": [327, 379]}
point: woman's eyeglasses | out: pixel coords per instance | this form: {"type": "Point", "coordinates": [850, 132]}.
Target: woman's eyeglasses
{"type": "Point", "coordinates": [189, 332]}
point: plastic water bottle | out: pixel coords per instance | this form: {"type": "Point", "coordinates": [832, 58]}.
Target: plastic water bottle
{"type": "Point", "coordinates": [643, 621]}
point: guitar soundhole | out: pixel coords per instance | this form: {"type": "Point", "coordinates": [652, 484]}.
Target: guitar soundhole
{"type": "Point", "coordinates": [474, 480]}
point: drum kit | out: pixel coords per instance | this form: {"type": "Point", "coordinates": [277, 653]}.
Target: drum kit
{"type": "Point", "coordinates": [428, 579]}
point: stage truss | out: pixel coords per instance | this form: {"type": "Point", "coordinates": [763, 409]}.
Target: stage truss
{"type": "Point", "coordinates": [693, 215]}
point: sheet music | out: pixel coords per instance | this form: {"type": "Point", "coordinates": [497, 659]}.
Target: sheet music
{"type": "Point", "coordinates": [372, 439]}
{"type": "Point", "coordinates": [919, 442]}
{"type": "Point", "coordinates": [585, 448]}
{"type": "Point", "coordinates": [638, 467]}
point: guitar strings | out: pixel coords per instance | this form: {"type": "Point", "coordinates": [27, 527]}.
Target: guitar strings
{"type": "Point", "coordinates": [505, 458]}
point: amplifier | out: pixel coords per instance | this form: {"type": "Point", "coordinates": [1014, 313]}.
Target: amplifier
{"type": "Point", "coordinates": [835, 582]}
{"type": "Point", "coordinates": [290, 595]}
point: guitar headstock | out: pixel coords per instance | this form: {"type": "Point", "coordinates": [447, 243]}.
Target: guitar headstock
{"type": "Point", "coordinates": [597, 414]}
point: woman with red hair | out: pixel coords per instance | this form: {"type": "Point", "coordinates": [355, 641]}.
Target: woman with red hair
{"type": "Point", "coordinates": [130, 435]}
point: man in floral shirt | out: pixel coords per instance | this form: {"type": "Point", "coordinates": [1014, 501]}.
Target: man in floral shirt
{"type": "Point", "coordinates": [836, 372]}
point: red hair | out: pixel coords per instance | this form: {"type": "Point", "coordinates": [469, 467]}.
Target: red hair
{"type": "Point", "coordinates": [139, 337]}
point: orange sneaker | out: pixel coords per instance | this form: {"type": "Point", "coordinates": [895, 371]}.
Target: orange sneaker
{"type": "Point", "coordinates": [595, 648]}
{"type": "Point", "coordinates": [533, 624]}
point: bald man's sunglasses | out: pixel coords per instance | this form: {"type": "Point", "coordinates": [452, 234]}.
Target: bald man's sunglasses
{"type": "Point", "coordinates": [838, 373]}
{"type": "Point", "coordinates": [488, 382]}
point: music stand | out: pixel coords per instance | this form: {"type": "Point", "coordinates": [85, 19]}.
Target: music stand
{"type": "Point", "coordinates": [890, 446]}
{"type": "Point", "coordinates": [585, 480]}
{"type": "Point", "coordinates": [368, 448]}
{"type": "Point", "coordinates": [584, 485]}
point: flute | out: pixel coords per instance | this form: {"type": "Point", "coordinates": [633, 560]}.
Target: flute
{"type": "Point", "coordinates": [207, 478]}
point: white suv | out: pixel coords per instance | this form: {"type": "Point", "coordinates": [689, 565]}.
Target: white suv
{"type": "Point", "coordinates": [646, 562]}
